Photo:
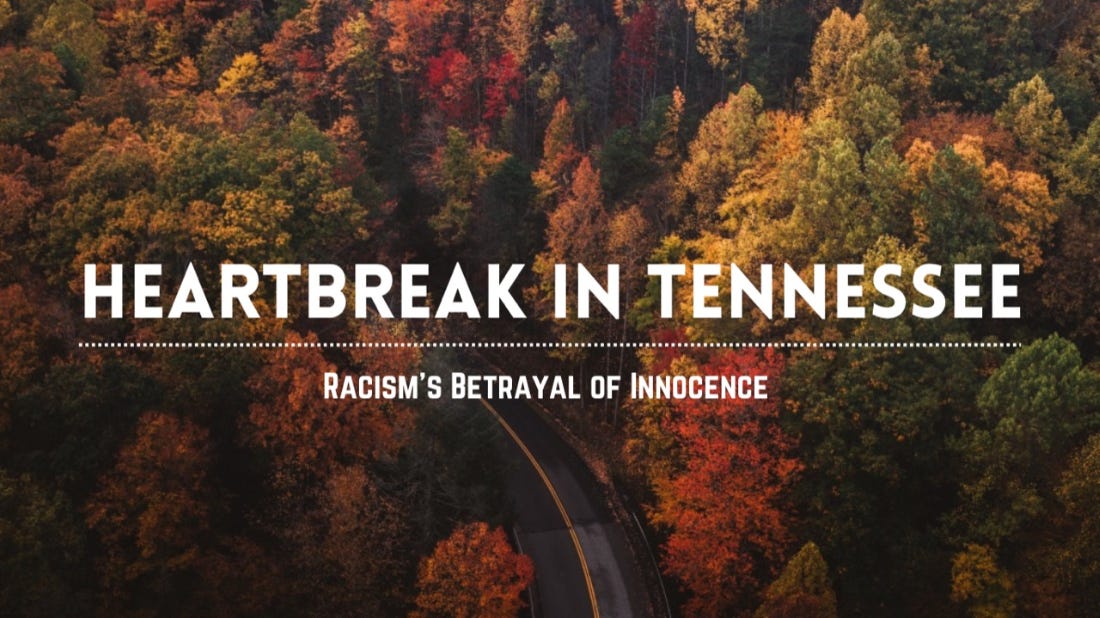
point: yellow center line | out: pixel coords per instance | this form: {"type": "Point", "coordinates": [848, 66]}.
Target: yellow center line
{"type": "Point", "coordinates": [561, 507]}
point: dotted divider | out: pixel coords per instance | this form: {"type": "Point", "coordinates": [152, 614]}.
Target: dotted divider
{"type": "Point", "coordinates": [547, 344]}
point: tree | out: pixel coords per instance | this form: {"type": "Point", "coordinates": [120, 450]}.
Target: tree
{"type": "Point", "coordinates": [802, 590]}
{"type": "Point", "coordinates": [838, 39]}
{"type": "Point", "coordinates": [723, 505]}
{"type": "Point", "coordinates": [225, 41]}
{"type": "Point", "coordinates": [575, 233]}
{"type": "Point", "coordinates": [1079, 556]}
{"type": "Point", "coordinates": [859, 79]}
{"type": "Point", "coordinates": [458, 180]}
{"type": "Point", "coordinates": [21, 326]}
{"type": "Point", "coordinates": [576, 226]}
{"type": "Point", "coordinates": [451, 78]}
{"type": "Point", "coordinates": [559, 155]}
{"type": "Point", "coordinates": [472, 573]}
{"type": "Point", "coordinates": [245, 78]}
{"type": "Point", "coordinates": [1069, 292]}
{"type": "Point", "coordinates": [949, 220]}
{"type": "Point", "coordinates": [519, 33]}
{"type": "Point", "coordinates": [832, 213]}
{"type": "Point", "coordinates": [6, 14]}
{"type": "Point", "coordinates": [33, 98]}
{"type": "Point", "coordinates": [507, 226]}
{"type": "Point", "coordinates": [306, 431]}
{"type": "Point", "coordinates": [636, 67]}
{"type": "Point", "coordinates": [1036, 121]}
{"type": "Point", "coordinates": [18, 201]}
{"type": "Point", "coordinates": [355, 65]}
{"type": "Point", "coordinates": [502, 86]}
{"type": "Point", "coordinates": [724, 145]}
{"type": "Point", "coordinates": [415, 27]}
{"type": "Point", "coordinates": [720, 28]}
{"type": "Point", "coordinates": [249, 225]}
{"type": "Point", "coordinates": [69, 30]}
{"type": "Point", "coordinates": [978, 582]}
{"type": "Point", "coordinates": [344, 542]}
{"type": "Point", "coordinates": [1032, 410]}
{"type": "Point", "coordinates": [875, 442]}
{"type": "Point", "coordinates": [42, 546]}
{"type": "Point", "coordinates": [969, 206]}
{"type": "Point", "coordinates": [152, 510]}
{"type": "Point", "coordinates": [984, 49]}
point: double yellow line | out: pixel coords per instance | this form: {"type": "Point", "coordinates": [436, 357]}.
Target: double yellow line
{"type": "Point", "coordinates": [561, 507]}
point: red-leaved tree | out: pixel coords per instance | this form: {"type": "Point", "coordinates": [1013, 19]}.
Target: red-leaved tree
{"type": "Point", "coordinates": [723, 500]}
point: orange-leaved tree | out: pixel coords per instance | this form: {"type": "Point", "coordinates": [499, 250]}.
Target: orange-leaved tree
{"type": "Point", "coordinates": [152, 509]}
{"type": "Point", "coordinates": [723, 499]}
{"type": "Point", "coordinates": [473, 572]}
{"type": "Point", "coordinates": [292, 419]}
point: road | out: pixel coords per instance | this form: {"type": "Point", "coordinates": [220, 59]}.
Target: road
{"type": "Point", "coordinates": [583, 563]}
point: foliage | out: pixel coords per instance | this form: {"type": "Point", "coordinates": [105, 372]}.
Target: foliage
{"type": "Point", "coordinates": [471, 573]}
{"type": "Point", "coordinates": [802, 589]}
{"type": "Point", "coordinates": [153, 508]}
{"type": "Point", "coordinates": [216, 481]}
{"type": "Point", "coordinates": [42, 548]}
{"type": "Point", "coordinates": [983, 586]}
{"type": "Point", "coordinates": [723, 497]}
{"type": "Point", "coordinates": [316, 434]}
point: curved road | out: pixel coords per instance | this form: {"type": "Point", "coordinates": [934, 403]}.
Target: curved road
{"type": "Point", "coordinates": [583, 563]}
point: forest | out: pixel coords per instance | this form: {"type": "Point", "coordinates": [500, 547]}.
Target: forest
{"type": "Point", "coordinates": [946, 481]}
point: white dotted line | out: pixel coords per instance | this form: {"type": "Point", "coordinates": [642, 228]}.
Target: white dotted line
{"type": "Point", "coordinates": [549, 344]}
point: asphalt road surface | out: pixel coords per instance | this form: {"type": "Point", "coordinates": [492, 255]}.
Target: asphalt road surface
{"type": "Point", "coordinates": [583, 564]}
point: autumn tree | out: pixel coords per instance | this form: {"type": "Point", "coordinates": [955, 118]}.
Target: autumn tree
{"type": "Point", "coordinates": [22, 327]}
{"type": "Point", "coordinates": [980, 584]}
{"type": "Point", "coordinates": [722, 147]}
{"type": "Point", "coordinates": [450, 85]}
{"type": "Point", "coordinates": [576, 225]}
{"type": "Point", "coordinates": [343, 543]}
{"type": "Point", "coordinates": [559, 154]}
{"type": "Point", "coordinates": [152, 510]}
{"type": "Point", "coordinates": [520, 28]}
{"type": "Point", "coordinates": [246, 77]}
{"type": "Point", "coordinates": [1031, 114]}
{"type": "Point", "coordinates": [473, 572]}
{"type": "Point", "coordinates": [725, 500]}
{"type": "Point", "coordinates": [503, 80]}
{"type": "Point", "coordinates": [720, 30]}
{"type": "Point", "coordinates": [415, 26]}
{"type": "Point", "coordinates": [355, 66]}
{"type": "Point", "coordinates": [575, 233]}
{"type": "Point", "coordinates": [69, 30]}
{"type": "Point", "coordinates": [33, 96]}
{"type": "Point", "coordinates": [838, 39]}
{"type": "Point", "coordinates": [19, 200]}
{"type": "Point", "coordinates": [309, 432]}
{"type": "Point", "coordinates": [802, 589]}
{"type": "Point", "coordinates": [229, 38]}
{"type": "Point", "coordinates": [970, 208]}
{"type": "Point", "coordinates": [636, 67]}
